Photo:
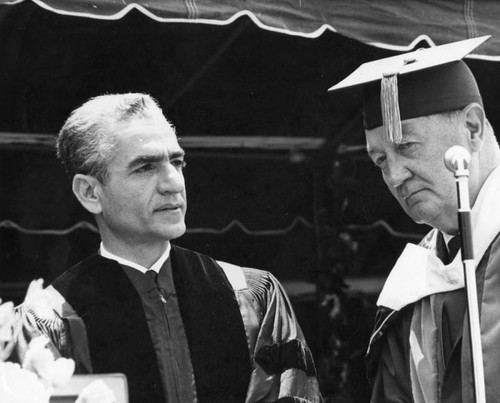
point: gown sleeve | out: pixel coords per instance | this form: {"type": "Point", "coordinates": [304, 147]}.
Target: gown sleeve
{"type": "Point", "coordinates": [388, 359]}
{"type": "Point", "coordinates": [283, 367]}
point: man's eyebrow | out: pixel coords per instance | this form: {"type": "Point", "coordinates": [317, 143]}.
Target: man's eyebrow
{"type": "Point", "coordinates": [176, 154]}
{"type": "Point", "coordinates": [154, 158]}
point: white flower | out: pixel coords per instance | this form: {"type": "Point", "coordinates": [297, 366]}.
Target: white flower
{"type": "Point", "coordinates": [20, 386]}
{"type": "Point", "coordinates": [96, 392]}
{"type": "Point", "coordinates": [40, 360]}
{"type": "Point", "coordinates": [42, 300]}
{"type": "Point", "coordinates": [63, 371]}
{"type": "Point", "coordinates": [40, 372]}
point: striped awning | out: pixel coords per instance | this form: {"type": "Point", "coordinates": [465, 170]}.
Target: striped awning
{"type": "Point", "coordinates": [387, 24]}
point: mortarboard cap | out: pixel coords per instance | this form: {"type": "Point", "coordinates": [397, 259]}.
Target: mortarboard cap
{"type": "Point", "coordinates": [414, 84]}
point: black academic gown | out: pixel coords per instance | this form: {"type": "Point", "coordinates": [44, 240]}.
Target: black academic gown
{"type": "Point", "coordinates": [256, 352]}
{"type": "Point", "coordinates": [119, 337]}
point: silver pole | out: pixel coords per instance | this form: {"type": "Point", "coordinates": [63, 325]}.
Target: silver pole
{"type": "Point", "coordinates": [457, 160]}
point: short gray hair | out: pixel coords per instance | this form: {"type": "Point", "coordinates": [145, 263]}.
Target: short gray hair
{"type": "Point", "coordinates": [85, 142]}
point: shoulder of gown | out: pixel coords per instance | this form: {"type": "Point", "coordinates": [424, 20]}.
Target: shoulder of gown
{"type": "Point", "coordinates": [283, 366]}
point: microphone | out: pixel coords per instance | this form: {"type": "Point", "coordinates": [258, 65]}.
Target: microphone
{"type": "Point", "coordinates": [457, 158]}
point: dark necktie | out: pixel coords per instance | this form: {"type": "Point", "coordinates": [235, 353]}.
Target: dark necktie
{"type": "Point", "coordinates": [152, 275]}
{"type": "Point", "coordinates": [162, 292]}
{"type": "Point", "coordinates": [453, 247]}
{"type": "Point", "coordinates": [447, 253]}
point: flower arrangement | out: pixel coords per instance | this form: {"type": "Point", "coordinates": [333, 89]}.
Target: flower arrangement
{"type": "Point", "coordinates": [40, 372]}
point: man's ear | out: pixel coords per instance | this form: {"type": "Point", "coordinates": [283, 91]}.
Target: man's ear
{"type": "Point", "coordinates": [475, 122]}
{"type": "Point", "coordinates": [85, 188]}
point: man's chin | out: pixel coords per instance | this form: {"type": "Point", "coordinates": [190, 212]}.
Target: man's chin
{"type": "Point", "coordinates": [419, 213]}
{"type": "Point", "coordinates": [177, 232]}
{"type": "Point", "coordinates": [424, 216]}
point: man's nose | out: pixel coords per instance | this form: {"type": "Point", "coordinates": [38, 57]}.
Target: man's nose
{"type": "Point", "coordinates": [171, 179]}
{"type": "Point", "coordinates": [396, 172]}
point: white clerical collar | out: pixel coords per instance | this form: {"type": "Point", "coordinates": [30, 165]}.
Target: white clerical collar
{"type": "Point", "coordinates": [156, 266]}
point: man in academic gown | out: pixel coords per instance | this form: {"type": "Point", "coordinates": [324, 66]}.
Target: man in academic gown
{"type": "Point", "coordinates": [181, 326]}
{"type": "Point", "coordinates": [417, 106]}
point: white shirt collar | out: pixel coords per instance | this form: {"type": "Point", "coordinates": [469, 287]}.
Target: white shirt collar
{"type": "Point", "coordinates": [156, 266]}
{"type": "Point", "coordinates": [447, 238]}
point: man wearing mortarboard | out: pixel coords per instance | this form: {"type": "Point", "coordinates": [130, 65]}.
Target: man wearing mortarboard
{"type": "Point", "coordinates": [415, 107]}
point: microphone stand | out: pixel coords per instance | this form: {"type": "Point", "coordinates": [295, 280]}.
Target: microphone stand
{"type": "Point", "coordinates": [457, 160]}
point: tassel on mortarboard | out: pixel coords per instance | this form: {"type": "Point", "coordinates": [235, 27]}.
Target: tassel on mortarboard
{"type": "Point", "coordinates": [410, 85]}
{"type": "Point", "coordinates": [390, 107]}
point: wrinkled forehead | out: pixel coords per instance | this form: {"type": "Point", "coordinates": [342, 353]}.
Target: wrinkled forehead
{"type": "Point", "coordinates": [415, 129]}
{"type": "Point", "coordinates": [143, 140]}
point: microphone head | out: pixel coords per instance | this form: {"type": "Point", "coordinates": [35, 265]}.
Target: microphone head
{"type": "Point", "coordinates": [457, 157]}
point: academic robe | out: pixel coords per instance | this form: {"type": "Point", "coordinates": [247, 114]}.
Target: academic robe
{"type": "Point", "coordinates": [266, 355]}
{"type": "Point", "coordinates": [419, 350]}
{"type": "Point", "coordinates": [389, 360]}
